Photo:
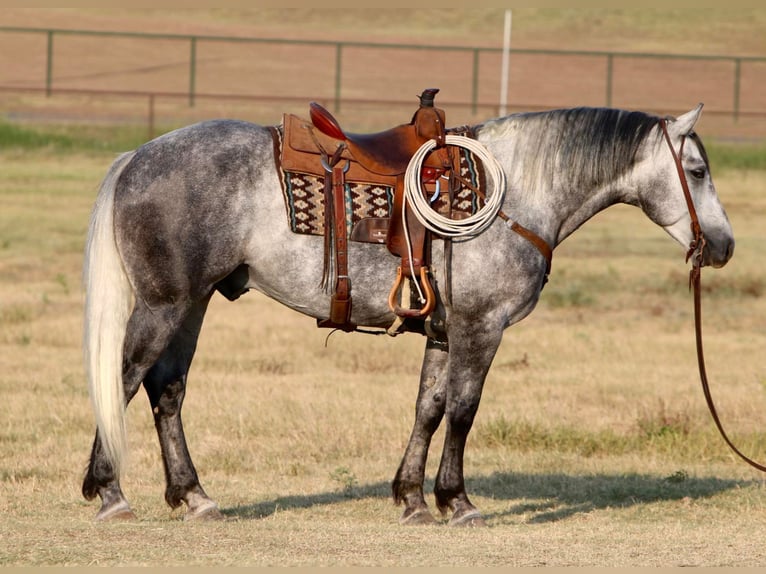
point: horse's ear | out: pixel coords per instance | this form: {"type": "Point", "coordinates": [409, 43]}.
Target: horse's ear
{"type": "Point", "coordinates": [684, 124]}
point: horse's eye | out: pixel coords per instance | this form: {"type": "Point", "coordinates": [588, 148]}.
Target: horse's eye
{"type": "Point", "coordinates": [698, 173]}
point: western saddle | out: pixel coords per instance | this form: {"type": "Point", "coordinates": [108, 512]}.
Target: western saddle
{"type": "Point", "coordinates": [324, 149]}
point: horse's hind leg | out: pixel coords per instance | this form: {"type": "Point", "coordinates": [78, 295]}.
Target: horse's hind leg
{"type": "Point", "coordinates": [147, 334]}
{"type": "Point", "coordinates": [165, 384]}
{"type": "Point", "coordinates": [408, 483]}
{"type": "Point", "coordinates": [101, 481]}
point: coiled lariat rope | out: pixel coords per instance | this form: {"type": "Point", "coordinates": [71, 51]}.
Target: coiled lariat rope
{"type": "Point", "coordinates": [436, 222]}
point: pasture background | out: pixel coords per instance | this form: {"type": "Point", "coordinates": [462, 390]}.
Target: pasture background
{"type": "Point", "coordinates": [592, 445]}
{"type": "Point", "coordinates": [116, 79]}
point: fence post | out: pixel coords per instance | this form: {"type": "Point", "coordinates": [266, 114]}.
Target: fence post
{"type": "Point", "coordinates": [49, 66]}
{"type": "Point", "coordinates": [192, 69]}
{"type": "Point", "coordinates": [151, 117]}
{"type": "Point", "coordinates": [737, 73]}
{"type": "Point", "coordinates": [338, 49]}
{"type": "Point", "coordinates": [475, 82]}
{"type": "Point", "coordinates": [609, 73]}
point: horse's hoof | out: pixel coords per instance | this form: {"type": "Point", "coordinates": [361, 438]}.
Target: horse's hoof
{"type": "Point", "coordinates": [121, 511]}
{"type": "Point", "coordinates": [206, 512]}
{"type": "Point", "coordinates": [472, 519]}
{"type": "Point", "coordinates": [417, 517]}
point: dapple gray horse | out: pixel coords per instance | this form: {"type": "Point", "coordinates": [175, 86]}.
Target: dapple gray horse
{"type": "Point", "coordinates": [200, 209]}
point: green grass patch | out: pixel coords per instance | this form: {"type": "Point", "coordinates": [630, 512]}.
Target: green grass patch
{"type": "Point", "coordinates": [87, 137]}
{"type": "Point", "coordinates": [736, 156]}
{"type": "Point", "coordinates": [667, 434]}
{"type": "Point", "coordinates": [719, 286]}
{"type": "Point", "coordinates": [14, 136]}
{"type": "Point", "coordinates": [70, 138]}
{"type": "Point", "coordinates": [568, 295]}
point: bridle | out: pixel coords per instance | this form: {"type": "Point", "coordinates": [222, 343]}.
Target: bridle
{"type": "Point", "coordinates": [694, 253]}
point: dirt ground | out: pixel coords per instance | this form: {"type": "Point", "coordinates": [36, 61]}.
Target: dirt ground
{"type": "Point", "coordinates": [259, 81]}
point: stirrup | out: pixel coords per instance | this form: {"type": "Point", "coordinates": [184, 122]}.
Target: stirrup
{"type": "Point", "coordinates": [429, 304]}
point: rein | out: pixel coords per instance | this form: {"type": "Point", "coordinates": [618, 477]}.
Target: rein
{"type": "Point", "coordinates": [695, 276]}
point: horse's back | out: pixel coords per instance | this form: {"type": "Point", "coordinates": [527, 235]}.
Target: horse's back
{"type": "Point", "coordinates": [208, 151]}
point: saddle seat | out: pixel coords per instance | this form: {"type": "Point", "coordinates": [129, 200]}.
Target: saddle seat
{"type": "Point", "coordinates": [388, 152]}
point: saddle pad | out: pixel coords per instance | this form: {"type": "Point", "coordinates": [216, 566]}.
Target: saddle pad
{"type": "Point", "coordinates": [304, 195]}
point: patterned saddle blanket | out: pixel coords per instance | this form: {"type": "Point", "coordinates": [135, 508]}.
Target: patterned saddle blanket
{"type": "Point", "coordinates": [304, 197]}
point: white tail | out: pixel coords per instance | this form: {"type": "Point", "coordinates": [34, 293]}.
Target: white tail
{"type": "Point", "coordinates": [108, 302]}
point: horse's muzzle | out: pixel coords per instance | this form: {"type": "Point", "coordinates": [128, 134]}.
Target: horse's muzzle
{"type": "Point", "coordinates": [717, 252]}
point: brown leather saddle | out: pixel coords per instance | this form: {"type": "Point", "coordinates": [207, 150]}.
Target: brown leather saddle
{"type": "Point", "coordinates": [323, 148]}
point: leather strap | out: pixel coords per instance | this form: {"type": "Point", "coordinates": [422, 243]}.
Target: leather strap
{"type": "Point", "coordinates": [542, 245]}
{"type": "Point", "coordinates": [336, 234]}
{"type": "Point", "coordinates": [694, 278]}
{"type": "Point", "coordinates": [698, 239]}
{"type": "Point", "coordinates": [695, 283]}
{"type": "Point", "coordinates": [534, 239]}
{"type": "Point", "coordinates": [343, 286]}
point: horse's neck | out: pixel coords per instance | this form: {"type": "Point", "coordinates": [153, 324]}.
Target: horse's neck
{"type": "Point", "coordinates": [583, 204]}
{"type": "Point", "coordinates": [549, 202]}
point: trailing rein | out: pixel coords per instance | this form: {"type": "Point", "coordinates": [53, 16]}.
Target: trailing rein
{"type": "Point", "coordinates": [696, 248]}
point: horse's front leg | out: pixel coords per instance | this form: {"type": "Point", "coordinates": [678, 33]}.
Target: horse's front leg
{"type": "Point", "coordinates": [408, 483]}
{"type": "Point", "coordinates": [472, 347]}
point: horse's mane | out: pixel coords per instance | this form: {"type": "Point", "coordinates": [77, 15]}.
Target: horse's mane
{"type": "Point", "coordinates": [586, 147]}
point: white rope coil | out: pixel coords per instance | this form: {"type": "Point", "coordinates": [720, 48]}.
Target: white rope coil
{"type": "Point", "coordinates": [436, 222]}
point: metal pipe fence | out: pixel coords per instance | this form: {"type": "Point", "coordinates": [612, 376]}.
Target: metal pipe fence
{"type": "Point", "coordinates": [745, 76]}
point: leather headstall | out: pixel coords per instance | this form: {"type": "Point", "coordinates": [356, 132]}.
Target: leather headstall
{"type": "Point", "coordinates": [696, 247]}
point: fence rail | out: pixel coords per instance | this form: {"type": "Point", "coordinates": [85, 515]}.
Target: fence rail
{"type": "Point", "coordinates": [607, 62]}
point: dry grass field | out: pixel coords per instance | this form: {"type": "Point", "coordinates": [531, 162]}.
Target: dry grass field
{"type": "Point", "coordinates": [592, 446]}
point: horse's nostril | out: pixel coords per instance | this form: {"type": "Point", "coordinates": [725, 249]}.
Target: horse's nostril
{"type": "Point", "coordinates": [720, 255]}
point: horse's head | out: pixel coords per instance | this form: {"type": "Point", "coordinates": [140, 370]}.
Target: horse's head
{"type": "Point", "coordinates": [664, 201]}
